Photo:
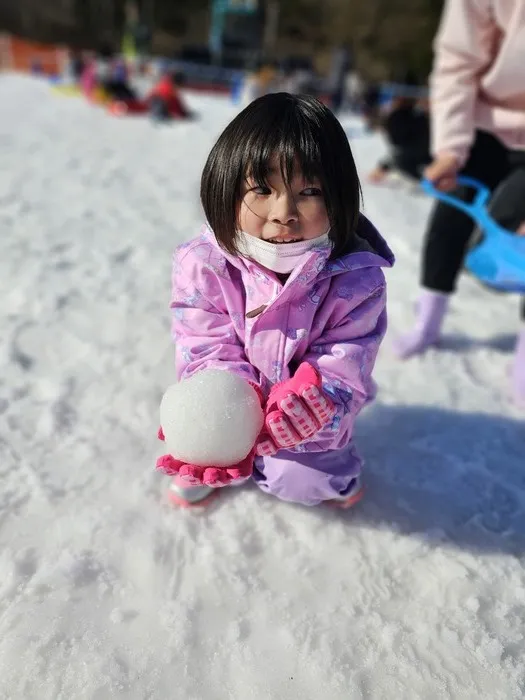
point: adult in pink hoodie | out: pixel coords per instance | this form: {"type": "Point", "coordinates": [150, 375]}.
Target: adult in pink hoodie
{"type": "Point", "coordinates": [477, 92]}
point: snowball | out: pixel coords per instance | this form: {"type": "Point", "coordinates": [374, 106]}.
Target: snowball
{"type": "Point", "coordinates": [211, 419]}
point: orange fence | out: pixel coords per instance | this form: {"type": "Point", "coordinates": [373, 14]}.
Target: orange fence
{"type": "Point", "coordinates": [21, 55]}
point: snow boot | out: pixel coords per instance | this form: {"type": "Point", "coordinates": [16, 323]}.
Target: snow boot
{"type": "Point", "coordinates": [354, 495]}
{"type": "Point", "coordinates": [431, 310]}
{"type": "Point", "coordinates": [182, 495]}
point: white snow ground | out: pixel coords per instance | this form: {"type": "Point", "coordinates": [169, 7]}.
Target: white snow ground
{"type": "Point", "coordinates": [105, 592]}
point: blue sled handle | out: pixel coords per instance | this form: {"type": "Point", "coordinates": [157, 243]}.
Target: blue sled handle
{"type": "Point", "coordinates": [476, 209]}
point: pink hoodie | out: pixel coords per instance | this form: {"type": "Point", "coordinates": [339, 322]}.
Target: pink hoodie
{"type": "Point", "coordinates": [230, 313]}
{"type": "Point", "coordinates": [478, 79]}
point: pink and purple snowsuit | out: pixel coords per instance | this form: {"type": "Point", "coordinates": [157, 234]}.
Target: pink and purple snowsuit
{"type": "Point", "coordinates": [232, 314]}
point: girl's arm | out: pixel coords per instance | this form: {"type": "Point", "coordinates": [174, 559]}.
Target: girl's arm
{"type": "Point", "coordinates": [464, 48]}
{"type": "Point", "coordinates": [202, 330]}
{"type": "Point", "coordinates": [345, 356]}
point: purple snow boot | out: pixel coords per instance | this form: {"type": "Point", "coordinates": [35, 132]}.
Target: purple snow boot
{"type": "Point", "coordinates": [431, 309]}
{"type": "Point", "coordinates": [518, 371]}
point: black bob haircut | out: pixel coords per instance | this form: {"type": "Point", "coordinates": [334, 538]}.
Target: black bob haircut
{"type": "Point", "coordinates": [295, 128]}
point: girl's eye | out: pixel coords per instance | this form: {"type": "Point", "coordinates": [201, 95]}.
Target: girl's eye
{"type": "Point", "coordinates": [311, 192]}
{"type": "Point", "coordinates": [261, 189]}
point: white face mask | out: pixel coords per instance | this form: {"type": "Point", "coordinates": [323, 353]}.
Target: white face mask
{"type": "Point", "coordinates": [281, 258]}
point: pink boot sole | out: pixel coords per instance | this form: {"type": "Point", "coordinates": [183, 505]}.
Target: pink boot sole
{"type": "Point", "coordinates": [179, 502]}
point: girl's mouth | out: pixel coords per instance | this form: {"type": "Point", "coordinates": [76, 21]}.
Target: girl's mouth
{"type": "Point", "coordinates": [282, 241]}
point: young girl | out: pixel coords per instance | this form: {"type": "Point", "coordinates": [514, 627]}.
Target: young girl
{"type": "Point", "coordinates": [478, 129]}
{"type": "Point", "coordinates": [284, 287]}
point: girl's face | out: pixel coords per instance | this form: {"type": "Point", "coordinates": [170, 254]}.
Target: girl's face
{"type": "Point", "coordinates": [283, 214]}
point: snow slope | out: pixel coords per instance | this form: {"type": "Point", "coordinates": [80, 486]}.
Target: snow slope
{"type": "Point", "coordinates": [105, 592]}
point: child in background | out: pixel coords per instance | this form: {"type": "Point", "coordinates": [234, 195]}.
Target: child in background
{"type": "Point", "coordinates": [285, 284]}
{"type": "Point", "coordinates": [114, 78]}
{"type": "Point", "coordinates": [478, 129]}
{"type": "Point", "coordinates": [74, 67]}
{"type": "Point", "coordinates": [88, 79]}
{"type": "Point", "coordinates": [164, 100]}
{"type": "Point", "coordinates": [406, 129]}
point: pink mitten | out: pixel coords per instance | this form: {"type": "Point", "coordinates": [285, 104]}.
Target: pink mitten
{"type": "Point", "coordinates": [194, 475]}
{"type": "Point", "coordinates": [296, 410]}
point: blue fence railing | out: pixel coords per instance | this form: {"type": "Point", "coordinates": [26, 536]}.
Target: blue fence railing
{"type": "Point", "coordinates": [205, 73]}
{"type": "Point", "coordinates": [390, 90]}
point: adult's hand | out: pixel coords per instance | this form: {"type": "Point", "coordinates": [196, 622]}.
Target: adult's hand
{"type": "Point", "coordinates": [442, 172]}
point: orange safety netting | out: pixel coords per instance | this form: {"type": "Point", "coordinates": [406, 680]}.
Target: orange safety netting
{"type": "Point", "coordinates": [21, 55]}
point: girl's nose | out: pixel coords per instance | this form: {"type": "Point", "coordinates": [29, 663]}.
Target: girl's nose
{"type": "Point", "coordinates": [284, 210]}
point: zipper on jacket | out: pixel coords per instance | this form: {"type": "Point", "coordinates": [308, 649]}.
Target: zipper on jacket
{"type": "Point", "coordinates": [256, 312]}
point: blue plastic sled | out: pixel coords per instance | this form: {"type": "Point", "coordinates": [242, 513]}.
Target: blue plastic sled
{"type": "Point", "coordinates": [499, 259]}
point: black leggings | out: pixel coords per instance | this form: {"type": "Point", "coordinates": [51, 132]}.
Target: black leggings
{"type": "Point", "coordinates": [450, 230]}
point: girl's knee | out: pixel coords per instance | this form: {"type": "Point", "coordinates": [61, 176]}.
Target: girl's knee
{"type": "Point", "coordinates": [296, 482]}
{"type": "Point", "coordinates": [289, 488]}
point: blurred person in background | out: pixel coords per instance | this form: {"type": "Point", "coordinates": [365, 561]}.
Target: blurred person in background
{"type": "Point", "coordinates": [341, 64]}
{"type": "Point", "coordinates": [113, 75]}
{"type": "Point", "coordinates": [477, 102]}
{"type": "Point", "coordinates": [371, 105]}
{"type": "Point", "coordinates": [74, 67]}
{"type": "Point", "coordinates": [289, 81]}
{"type": "Point", "coordinates": [165, 101]}
{"type": "Point", "coordinates": [353, 90]}
{"type": "Point", "coordinates": [260, 81]}
{"type": "Point", "coordinates": [296, 81]}
{"type": "Point", "coordinates": [103, 63]}
{"type": "Point", "coordinates": [88, 79]}
{"type": "Point", "coordinates": [407, 132]}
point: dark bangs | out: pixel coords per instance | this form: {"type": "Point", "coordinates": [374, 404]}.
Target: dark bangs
{"type": "Point", "coordinates": [294, 129]}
